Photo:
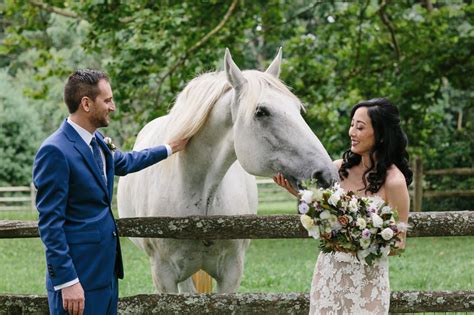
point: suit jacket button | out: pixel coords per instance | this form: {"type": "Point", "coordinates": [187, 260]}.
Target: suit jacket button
{"type": "Point", "coordinates": [114, 234]}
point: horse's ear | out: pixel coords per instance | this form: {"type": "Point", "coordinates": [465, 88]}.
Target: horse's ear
{"type": "Point", "coordinates": [274, 68]}
{"type": "Point", "coordinates": [233, 73]}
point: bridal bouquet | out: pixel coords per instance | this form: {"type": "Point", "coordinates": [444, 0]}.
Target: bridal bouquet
{"type": "Point", "coordinates": [343, 221]}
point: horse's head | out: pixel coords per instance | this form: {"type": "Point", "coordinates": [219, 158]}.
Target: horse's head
{"type": "Point", "coordinates": [270, 135]}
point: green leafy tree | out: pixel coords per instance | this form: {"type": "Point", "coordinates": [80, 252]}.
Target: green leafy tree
{"type": "Point", "coordinates": [419, 54]}
{"type": "Point", "coordinates": [20, 134]}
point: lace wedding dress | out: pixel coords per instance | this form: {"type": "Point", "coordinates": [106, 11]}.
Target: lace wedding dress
{"type": "Point", "coordinates": [342, 285]}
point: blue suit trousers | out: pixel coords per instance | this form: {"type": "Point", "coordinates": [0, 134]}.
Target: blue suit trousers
{"type": "Point", "coordinates": [98, 302]}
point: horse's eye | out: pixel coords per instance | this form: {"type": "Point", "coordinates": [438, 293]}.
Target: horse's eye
{"type": "Point", "coordinates": [262, 111]}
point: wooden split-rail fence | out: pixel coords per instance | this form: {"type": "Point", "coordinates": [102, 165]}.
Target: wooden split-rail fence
{"type": "Point", "coordinates": [454, 223]}
{"type": "Point", "coordinates": [418, 181]}
{"type": "Point", "coordinates": [18, 198]}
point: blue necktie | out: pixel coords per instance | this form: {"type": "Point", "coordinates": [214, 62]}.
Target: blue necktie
{"type": "Point", "coordinates": [97, 156]}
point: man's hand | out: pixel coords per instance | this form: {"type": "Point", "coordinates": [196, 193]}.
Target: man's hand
{"type": "Point", "coordinates": [73, 299]}
{"type": "Point", "coordinates": [178, 145]}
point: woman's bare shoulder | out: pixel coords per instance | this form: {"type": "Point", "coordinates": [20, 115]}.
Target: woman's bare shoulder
{"type": "Point", "coordinates": [337, 163]}
{"type": "Point", "coordinates": [395, 177]}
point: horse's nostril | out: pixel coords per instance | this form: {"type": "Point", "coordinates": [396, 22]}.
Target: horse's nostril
{"type": "Point", "coordinates": [317, 175]}
{"type": "Point", "coordinates": [321, 178]}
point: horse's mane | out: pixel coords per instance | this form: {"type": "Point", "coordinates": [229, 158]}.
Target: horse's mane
{"type": "Point", "coordinates": [195, 102]}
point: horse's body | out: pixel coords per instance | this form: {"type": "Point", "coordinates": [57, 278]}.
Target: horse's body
{"type": "Point", "coordinates": [239, 122]}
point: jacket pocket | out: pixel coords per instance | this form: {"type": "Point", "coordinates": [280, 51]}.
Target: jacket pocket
{"type": "Point", "coordinates": [83, 237]}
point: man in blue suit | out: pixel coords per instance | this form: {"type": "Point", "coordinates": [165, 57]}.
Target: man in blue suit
{"type": "Point", "coordinates": [74, 174]}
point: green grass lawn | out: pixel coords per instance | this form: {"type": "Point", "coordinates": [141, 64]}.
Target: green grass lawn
{"type": "Point", "coordinates": [271, 265]}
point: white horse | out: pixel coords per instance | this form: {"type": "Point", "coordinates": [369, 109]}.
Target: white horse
{"type": "Point", "coordinates": [239, 122]}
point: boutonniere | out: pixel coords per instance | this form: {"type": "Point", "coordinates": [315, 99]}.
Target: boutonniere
{"type": "Point", "coordinates": [110, 144]}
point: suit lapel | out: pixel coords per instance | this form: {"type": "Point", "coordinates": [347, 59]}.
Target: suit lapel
{"type": "Point", "coordinates": [86, 153]}
{"type": "Point", "coordinates": [109, 162]}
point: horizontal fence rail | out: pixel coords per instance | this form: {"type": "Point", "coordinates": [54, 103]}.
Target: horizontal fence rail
{"type": "Point", "coordinates": [19, 198]}
{"type": "Point", "coordinates": [15, 189]}
{"type": "Point", "coordinates": [451, 171]}
{"type": "Point", "coordinates": [247, 303]}
{"type": "Point", "coordinates": [453, 223]}
{"type": "Point", "coordinates": [449, 193]}
{"type": "Point", "coordinates": [419, 174]}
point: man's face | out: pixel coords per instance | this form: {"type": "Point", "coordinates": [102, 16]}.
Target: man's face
{"type": "Point", "coordinates": [102, 106]}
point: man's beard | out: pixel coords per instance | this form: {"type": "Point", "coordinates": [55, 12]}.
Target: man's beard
{"type": "Point", "coordinates": [100, 122]}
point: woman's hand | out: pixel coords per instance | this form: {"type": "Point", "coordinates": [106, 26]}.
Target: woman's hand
{"type": "Point", "coordinates": [400, 246]}
{"type": "Point", "coordinates": [283, 182]}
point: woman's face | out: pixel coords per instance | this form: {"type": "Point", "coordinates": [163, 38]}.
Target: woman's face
{"type": "Point", "coordinates": [361, 132]}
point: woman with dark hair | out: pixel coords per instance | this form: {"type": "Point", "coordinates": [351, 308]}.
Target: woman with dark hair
{"type": "Point", "coordinates": [375, 165]}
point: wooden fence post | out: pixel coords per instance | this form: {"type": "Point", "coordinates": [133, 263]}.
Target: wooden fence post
{"type": "Point", "coordinates": [202, 282]}
{"type": "Point", "coordinates": [33, 197]}
{"type": "Point", "coordinates": [418, 182]}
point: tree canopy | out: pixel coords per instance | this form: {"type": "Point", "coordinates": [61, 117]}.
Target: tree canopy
{"type": "Point", "coordinates": [418, 54]}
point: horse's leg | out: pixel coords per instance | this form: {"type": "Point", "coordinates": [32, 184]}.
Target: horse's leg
{"type": "Point", "coordinates": [230, 268]}
{"type": "Point", "coordinates": [164, 276]}
{"type": "Point", "coordinates": [172, 264]}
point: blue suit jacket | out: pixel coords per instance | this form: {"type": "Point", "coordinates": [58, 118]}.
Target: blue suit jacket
{"type": "Point", "coordinates": [76, 223]}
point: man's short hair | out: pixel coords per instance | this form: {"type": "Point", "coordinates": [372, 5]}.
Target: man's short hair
{"type": "Point", "coordinates": [82, 83]}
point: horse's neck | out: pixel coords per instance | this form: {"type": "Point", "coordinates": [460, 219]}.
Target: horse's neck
{"type": "Point", "coordinates": [209, 154]}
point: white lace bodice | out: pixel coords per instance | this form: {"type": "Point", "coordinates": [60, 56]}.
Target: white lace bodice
{"type": "Point", "coordinates": [342, 285]}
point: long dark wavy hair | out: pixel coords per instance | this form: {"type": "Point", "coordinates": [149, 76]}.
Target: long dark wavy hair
{"type": "Point", "coordinates": [390, 145]}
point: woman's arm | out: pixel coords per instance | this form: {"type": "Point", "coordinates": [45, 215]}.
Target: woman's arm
{"type": "Point", "coordinates": [397, 197]}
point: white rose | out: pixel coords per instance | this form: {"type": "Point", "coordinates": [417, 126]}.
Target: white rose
{"type": "Point", "coordinates": [332, 219]}
{"type": "Point", "coordinates": [353, 207]}
{"type": "Point", "coordinates": [318, 195]}
{"type": "Point", "coordinates": [376, 202]}
{"type": "Point", "coordinates": [325, 215]}
{"type": "Point", "coordinates": [335, 197]}
{"type": "Point", "coordinates": [344, 205]}
{"type": "Point", "coordinates": [307, 196]}
{"type": "Point", "coordinates": [361, 223]}
{"type": "Point", "coordinates": [364, 243]}
{"type": "Point", "coordinates": [387, 234]}
{"type": "Point", "coordinates": [314, 232]}
{"type": "Point", "coordinates": [307, 221]}
{"type": "Point", "coordinates": [327, 229]}
{"type": "Point", "coordinates": [377, 220]}
{"type": "Point", "coordinates": [338, 189]}
{"type": "Point", "coordinates": [335, 225]}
